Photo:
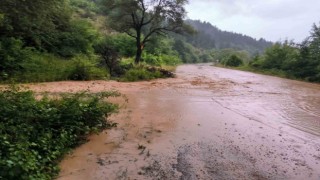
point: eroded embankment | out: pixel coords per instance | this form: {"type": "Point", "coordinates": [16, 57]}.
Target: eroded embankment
{"type": "Point", "coordinates": [208, 123]}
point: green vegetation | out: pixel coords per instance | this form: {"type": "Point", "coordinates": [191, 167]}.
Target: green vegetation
{"type": "Point", "coordinates": [233, 61]}
{"type": "Point", "coordinates": [139, 73]}
{"type": "Point", "coordinates": [288, 59]}
{"type": "Point", "coordinates": [86, 40]}
{"type": "Point", "coordinates": [75, 40]}
{"type": "Point", "coordinates": [56, 40]}
{"type": "Point", "coordinates": [142, 20]}
{"type": "Point", "coordinates": [36, 133]}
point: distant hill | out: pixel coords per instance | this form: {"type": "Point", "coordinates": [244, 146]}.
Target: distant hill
{"type": "Point", "coordinates": [209, 37]}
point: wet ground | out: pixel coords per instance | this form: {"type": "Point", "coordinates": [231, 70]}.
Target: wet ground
{"type": "Point", "coordinates": [208, 123]}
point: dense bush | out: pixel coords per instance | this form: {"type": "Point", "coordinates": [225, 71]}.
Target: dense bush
{"type": "Point", "coordinates": [233, 61]}
{"type": "Point", "coordinates": [35, 134]}
{"type": "Point", "coordinates": [12, 55]}
{"type": "Point", "coordinates": [152, 59]}
{"type": "Point", "coordinates": [145, 72]}
{"type": "Point", "coordinates": [171, 60]}
{"type": "Point", "coordinates": [298, 61]}
{"type": "Point", "coordinates": [77, 37]}
{"type": "Point", "coordinates": [162, 59]}
{"type": "Point", "coordinates": [84, 69]}
{"type": "Point", "coordinates": [140, 74]}
{"type": "Point", "coordinates": [122, 43]}
{"type": "Point", "coordinates": [109, 57]}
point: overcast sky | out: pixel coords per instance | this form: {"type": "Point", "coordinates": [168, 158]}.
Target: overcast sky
{"type": "Point", "coordinates": [270, 19]}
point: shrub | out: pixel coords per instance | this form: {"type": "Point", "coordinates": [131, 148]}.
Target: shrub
{"type": "Point", "coordinates": [43, 67]}
{"type": "Point", "coordinates": [140, 74]}
{"type": "Point", "coordinates": [35, 134]}
{"type": "Point", "coordinates": [84, 69]}
{"type": "Point", "coordinates": [171, 60]}
{"type": "Point", "coordinates": [122, 43]}
{"type": "Point", "coordinates": [12, 54]}
{"type": "Point", "coordinates": [162, 59]}
{"type": "Point", "coordinates": [109, 57]}
{"type": "Point", "coordinates": [152, 59]}
{"type": "Point", "coordinates": [233, 61]}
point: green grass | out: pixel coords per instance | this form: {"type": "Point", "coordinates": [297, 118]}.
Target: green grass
{"type": "Point", "coordinates": [270, 72]}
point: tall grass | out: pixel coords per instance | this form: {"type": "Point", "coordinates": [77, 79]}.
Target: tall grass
{"type": "Point", "coordinates": [47, 67]}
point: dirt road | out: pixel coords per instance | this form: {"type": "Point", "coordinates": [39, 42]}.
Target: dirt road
{"type": "Point", "coordinates": [208, 123]}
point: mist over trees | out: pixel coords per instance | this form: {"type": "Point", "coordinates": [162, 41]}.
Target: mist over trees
{"type": "Point", "coordinates": [210, 37]}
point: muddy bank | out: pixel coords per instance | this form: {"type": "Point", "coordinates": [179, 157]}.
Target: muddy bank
{"type": "Point", "coordinates": [208, 123]}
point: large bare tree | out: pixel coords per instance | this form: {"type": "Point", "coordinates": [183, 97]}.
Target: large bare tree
{"type": "Point", "coordinates": [141, 19]}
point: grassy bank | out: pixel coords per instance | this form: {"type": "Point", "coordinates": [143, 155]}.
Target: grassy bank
{"type": "Point", "coordinates": [269, 72]}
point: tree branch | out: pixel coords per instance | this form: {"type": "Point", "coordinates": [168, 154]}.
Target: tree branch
{"type": "Point", "coordinates": [129, 34]}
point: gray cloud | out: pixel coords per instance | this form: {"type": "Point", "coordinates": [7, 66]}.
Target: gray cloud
{"type": "Point", "coordinates": [272, 19]}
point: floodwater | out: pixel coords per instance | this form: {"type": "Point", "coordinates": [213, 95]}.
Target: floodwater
{"type": "Point", "coordinates": [208, 123]}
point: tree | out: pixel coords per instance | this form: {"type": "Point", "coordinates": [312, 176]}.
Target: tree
{"type": "Point", "coordinates": [308, 65]}
{"type": "Point", "coordinates": [109, 55]}
{"type": "Point", "coordinates": [280, 56]}
{"type": "Point", "coordinates": [142, 19]}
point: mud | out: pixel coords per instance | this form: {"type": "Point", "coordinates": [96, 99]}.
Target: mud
{"type": "Point", "coordinates": [208, 123]}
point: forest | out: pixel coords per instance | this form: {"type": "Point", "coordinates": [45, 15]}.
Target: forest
{"type": "Point", "coordinates": [79, 40]}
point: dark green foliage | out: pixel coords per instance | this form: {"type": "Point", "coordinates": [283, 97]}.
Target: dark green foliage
{"type": "Point", "coordinates": [122, 43]}
{"type": "Point", "coordinates": [35, 134]}
{"type": "Point", "coordinates": [46, 26]}
{"type": "Point", "coordinates": [310, 56]}
{"type": "Point", "coordinates": [78, 37]}
{"type": "Point", "coordinates": [233, 61]}
{"type": "Point", "coordinates": [109, 57]}
{"type": "Point", "coordinates": [295, 61]}
{"type": "Point", "coordinates": [32, 21]}
{"type": "Point", "coordinates": [280, 56]}
{"type": "Point", "coordinates": [12, 55]}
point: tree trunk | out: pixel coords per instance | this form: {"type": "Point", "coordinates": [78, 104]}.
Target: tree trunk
{"type": "Point", "coordinates": [138, 54]}
{"type": "Point", "coordinates": [139, 47]}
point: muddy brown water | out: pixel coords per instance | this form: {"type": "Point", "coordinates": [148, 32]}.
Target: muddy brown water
{"type": "Point", "coordinates": [208, 123]}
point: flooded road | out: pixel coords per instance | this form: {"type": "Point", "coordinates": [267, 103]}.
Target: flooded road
{"type": "Point", "coordinates": [208, 123]}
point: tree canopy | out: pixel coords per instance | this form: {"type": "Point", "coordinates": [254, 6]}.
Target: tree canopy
{"type": "Point", "coordinates": [141, 19]}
